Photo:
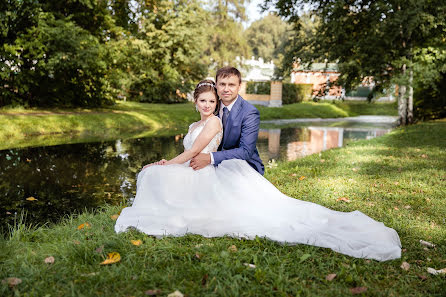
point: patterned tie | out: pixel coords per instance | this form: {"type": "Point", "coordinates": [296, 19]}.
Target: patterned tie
{"type": "Point", "coordinates": [225, 116]}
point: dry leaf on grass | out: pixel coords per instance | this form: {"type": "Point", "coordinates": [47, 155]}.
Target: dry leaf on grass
{"type": "Point", "coordinates": [49, 260]}
{"type": "Point", "coordinates": [302, 177]}
{"type": "Point", "coordinates": [84, 225]}
{"type": "Point", "coordinates": [330, 277]}
{"type": "Point", "coordinates": [345, 199]}
{"type": "Point", "coordinates": [405, 266]}
{"type": "Point", "coordinates": [355, 169]}
{"type": "Point", "coordinates": [435, 271]}
{"type": "Point", "coordinates": [12, 281]}
{"type": "Point", "coordinates": [358, 290]}
{"type": "Point", "coordinates": [293, 174]}
{"type": "Point", "coordinates": [232, 248]}
{"type": "Point", "coordinates": [175, 294]}
{"type": "Point", "coordinates": [31, 199]}
{"type": "Point", "coordinates": [249, 265]}
{"type": "Point", "coordinates": [112, 258]}
{"type": "Point", "coordinates": [427, 243]}
{"type": "Point", "coordinates": [137, 242]}
{"type": "Point", "coordinates": [114, 217]}
{"type": "Point", "coordinates": [422, 277]}
{"type": "Point", "coordinates": [153, 292]}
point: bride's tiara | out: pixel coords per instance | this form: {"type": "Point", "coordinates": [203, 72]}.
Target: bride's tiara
{"type": "Point", "coordinates": [206, 84]}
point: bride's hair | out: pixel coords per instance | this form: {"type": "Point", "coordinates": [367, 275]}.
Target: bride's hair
{"type": "Point", "coordinates": [204, 86]}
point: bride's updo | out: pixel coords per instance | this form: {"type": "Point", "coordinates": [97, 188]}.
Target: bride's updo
{"type": "Point", "coordinates": [204, 86]}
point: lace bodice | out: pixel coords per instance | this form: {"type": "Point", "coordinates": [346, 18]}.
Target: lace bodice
{"type": "Point", "coordinates": [195, 130]}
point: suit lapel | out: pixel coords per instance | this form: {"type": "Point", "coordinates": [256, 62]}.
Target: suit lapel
{"type": "Point", "coordinates": [232, 116]}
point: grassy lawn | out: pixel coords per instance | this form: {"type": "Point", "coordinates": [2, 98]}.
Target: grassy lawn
{"type": "Point", "coordinates": [399, 179]}
{"type": "Point", "coordinates": [37, 127]}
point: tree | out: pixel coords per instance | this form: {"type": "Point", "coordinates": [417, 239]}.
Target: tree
{"type": "Point", "coordinates": [267, 37]}
{"type": "Point", "coordinates": [224, 33]}
{"type": "Point", "coordinates": [372, 39]}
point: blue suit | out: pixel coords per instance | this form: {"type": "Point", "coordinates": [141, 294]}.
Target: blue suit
{"type": "Point", "coordinates": [240, 136]}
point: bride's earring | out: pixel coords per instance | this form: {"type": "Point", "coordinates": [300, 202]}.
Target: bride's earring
{"type": "Point", "coordinates": [196, 108]}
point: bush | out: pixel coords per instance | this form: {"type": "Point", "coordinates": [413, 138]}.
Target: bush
{"type": "Point", "coordinates": [260, 88]}
{"type": "Point", "coordinates": [294, 93]}
{"type": "Point", "coordinates": [430, 99]}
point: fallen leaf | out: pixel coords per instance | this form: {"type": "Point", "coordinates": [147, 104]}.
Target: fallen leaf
{"type": "Point", "coordinates": [423, 156]}
{"type": "Point", "coordinates": [175, 294]}
{"type": "Point", "coordinates": [137, 242]}
{"type": "Point", "coordinates": [49, 260]}
{"type": "Point", "coordinates": [232, 248]}
{"type": "Point", "coordinates": [355, 169]}
{"type": "Point", "coordinates": [90, 274]}
{"type": "Point", "coordinates": [302, 177]}
{"type": "Point", "coordinates": [407, 206]}
{"type": "Point", "coordinates": [84, 225]}
{"type": "Point", "coordinates": [330, 277]}
{"type": "Point", "coordinates": [422, 277]}
{"type": "Point", "coordinates": [153, 292]}
{"type": "Point", "coordinates": [204, 279]}
{"type": "Point", "coordinates": [396, 208]}
{"type": "Point", "coordinates": [28, 160]}
{"type": "Point", "coordinates": [345, 199]}
{"type": "Point", "coordinates": [114, 217]}
{"type": "Point", "coordinates": [435, 271]}
{"type": "Point", "coordinates": [112, 258]}
{"type": "Point", "coordinates": [249, 265]}
{"type": "Point", "coordinates": [405, 266]}
{"type": "Point", "coordinates": [358, 290]}
{"type": "Point", "coordinates": [427, 243]}
{"type": "Point", "coordinates": [197, 256]}
{"type": "Point", "coordinates": [12, 281]}
{"type": "Point", "coordinates": [99, 249]}
{"type": "Point", "coordinates": [293, 174]}
{"type": "Point", "coordinates": [322, 160]}
{"type": "Point", "coordinates": [31, 199]}
{"type": "Point", "coordinates": [76, 242]}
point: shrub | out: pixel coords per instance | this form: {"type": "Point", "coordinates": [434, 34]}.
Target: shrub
{"type": "Point", "coordinates": [260, 88]}
{"type": "Point", "coordinates": [294, 93]}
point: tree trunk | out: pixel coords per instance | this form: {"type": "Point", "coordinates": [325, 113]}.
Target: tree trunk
{"type": "Point", "coordinates": [410, 99]}
{"type": "Point", "coordinates": [402, 102]}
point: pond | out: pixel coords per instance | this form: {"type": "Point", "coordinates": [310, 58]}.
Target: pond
{"type": "Point", "coordinates": [47, 183]}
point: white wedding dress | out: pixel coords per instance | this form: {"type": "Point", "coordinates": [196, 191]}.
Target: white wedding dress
{"type": "Point", "coordinates": [233, 199]}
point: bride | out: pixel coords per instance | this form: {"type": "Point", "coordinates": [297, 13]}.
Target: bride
{"type": "Point", "coordinates": [234, 199]}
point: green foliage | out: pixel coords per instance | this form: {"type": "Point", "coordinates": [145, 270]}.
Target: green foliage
{"type": "Point", "coordinates": [258, 87]}
{"type": "Point", "coordinates": [378, 39]}
{"type": "Point", "coordinates": [295, 93]}
{"type": "Point", "coordinates": [267, 38]}
{"type": "Point", "coordinates": [88, 52]}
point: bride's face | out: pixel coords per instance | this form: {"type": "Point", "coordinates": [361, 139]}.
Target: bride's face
{"type": "Point", "coordinates": [206, 103]}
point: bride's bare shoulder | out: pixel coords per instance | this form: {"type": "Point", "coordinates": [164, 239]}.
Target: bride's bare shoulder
{"type": "Point", "coordinates": [214, 122]}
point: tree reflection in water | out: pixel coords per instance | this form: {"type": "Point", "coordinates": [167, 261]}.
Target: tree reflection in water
{"type": "Point", "coordinates": [71, 178]}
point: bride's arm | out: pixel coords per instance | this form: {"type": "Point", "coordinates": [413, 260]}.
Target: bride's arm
{"type": "Point", "coordinates": [211, 129]}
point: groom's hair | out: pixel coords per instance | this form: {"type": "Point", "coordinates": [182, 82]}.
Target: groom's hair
{"type": "Point", "coordinates": [228, 71]}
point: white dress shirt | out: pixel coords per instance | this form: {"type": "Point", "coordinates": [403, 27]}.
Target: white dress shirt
{"type": "Point", "coordinates": [221, 116]}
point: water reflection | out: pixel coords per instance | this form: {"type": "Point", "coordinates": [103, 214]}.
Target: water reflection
{"type": "Point", "coordinates": [70, 178]}
{"type": "Point", "coordinates": [288, 144]}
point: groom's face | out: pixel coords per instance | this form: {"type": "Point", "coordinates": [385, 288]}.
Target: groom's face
{"type": "Point", "coordinates": [228, 88]}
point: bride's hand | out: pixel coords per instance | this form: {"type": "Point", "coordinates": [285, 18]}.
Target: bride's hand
{"type": "Point", "coordinates": [160, 162]}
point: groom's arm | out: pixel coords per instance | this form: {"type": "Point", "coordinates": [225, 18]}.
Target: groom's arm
{"type": "Point", "coordinates": [248, 140]}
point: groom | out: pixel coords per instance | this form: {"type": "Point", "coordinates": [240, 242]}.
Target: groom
{"type": "Point", "coordinates": [241, 122]}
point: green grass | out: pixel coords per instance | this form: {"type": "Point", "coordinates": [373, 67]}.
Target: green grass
{"type": "Point", "coordinates": [398, 179]}
{"type": "Point", "coordinates": [38, 127]}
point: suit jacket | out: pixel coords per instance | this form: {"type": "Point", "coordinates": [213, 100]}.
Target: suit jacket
{"type": "Point", "coordinates": [240, 136]}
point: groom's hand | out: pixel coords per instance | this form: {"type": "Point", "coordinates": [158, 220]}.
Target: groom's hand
{"type": "Point", "coordinates": [200, 161]}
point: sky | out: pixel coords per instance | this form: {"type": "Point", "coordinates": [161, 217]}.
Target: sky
{"type": "Point", "coordinates": [253, 12]}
